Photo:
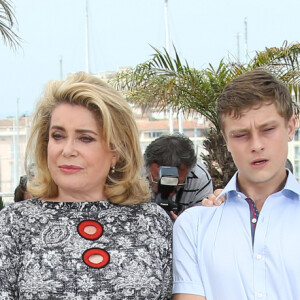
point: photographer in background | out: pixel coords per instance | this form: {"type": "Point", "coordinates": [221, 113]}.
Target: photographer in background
{"type": "Point", "coordinates": [170, 157]}
{"type": "Point", "coordinates": [21, 192]}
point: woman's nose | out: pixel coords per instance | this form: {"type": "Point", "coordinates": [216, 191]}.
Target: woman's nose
{"type": "Point", "coordinates": [69, 148]}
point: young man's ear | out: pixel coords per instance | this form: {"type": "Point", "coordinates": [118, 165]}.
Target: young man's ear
{"type": "Point", "coordinates": [291, 128]}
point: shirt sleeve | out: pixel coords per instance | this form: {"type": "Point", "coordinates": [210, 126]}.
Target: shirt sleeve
{"type": "Point", "coordinates": [186, 272]}
{"type": "Point", "coordinates": [8, 256]}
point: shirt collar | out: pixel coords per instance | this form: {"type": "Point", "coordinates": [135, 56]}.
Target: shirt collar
{"type": "Point", "coordinates": [291, 184]}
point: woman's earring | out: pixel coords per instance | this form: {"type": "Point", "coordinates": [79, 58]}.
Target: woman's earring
{"type": "Point", "coordinates": [113, 170]}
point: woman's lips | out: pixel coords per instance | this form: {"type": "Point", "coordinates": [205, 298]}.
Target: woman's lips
{"type": "Point", "coordinates": [70, 169]}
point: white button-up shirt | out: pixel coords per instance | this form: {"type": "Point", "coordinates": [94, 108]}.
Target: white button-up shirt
{"type": "Point", "coordinates": [213, 255]}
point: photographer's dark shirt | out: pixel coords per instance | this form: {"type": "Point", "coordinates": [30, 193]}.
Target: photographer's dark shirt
{"type": "Point", "coordinates": [198, 185]}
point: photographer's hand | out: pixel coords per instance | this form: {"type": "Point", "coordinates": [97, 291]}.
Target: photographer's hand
{"type": "Point", "coordinates": [212, 198]}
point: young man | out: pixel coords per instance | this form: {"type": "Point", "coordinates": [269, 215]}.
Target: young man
{"type": "Point", "coordinates": [249, 246]}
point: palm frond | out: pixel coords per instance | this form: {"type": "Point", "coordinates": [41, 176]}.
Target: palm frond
{"type": "Point", "coordinates": [164, 82]}
{"type": "Point", "coordinates": [7, 22]}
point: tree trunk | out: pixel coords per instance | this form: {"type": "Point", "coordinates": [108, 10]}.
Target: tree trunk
{"type": "Point", "coordinates": [218, 161]}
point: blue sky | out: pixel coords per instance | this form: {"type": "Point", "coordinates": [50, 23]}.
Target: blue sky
{"type": "Point", "coordinates": [121, 32]}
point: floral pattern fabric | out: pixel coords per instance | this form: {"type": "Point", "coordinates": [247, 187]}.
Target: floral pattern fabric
{"type": "Point", "coordinates": [41, 251]}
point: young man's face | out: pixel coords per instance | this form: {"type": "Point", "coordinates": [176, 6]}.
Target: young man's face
{"type": "Point", "coordinates": [258, 142]}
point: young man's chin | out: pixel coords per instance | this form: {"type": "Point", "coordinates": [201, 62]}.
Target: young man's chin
{"type": "Point", "coordinates": [262, 176]}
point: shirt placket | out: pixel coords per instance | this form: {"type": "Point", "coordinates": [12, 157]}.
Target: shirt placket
{"type": "Point", "coordinates": [258, 237]}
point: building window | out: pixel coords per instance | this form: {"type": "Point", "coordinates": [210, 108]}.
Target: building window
{"type": "Point", "coordinates": [155, 134]}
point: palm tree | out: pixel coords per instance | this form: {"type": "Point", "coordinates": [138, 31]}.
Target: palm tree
{"type": "Point", "coordinates": [7, 22]}
{"type": "Point", "coordinates": [165, 82]}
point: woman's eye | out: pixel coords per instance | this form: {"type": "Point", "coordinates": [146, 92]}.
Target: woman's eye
{"type": "Point", "coordinates": [56, 136]}
{"type": "Point", "coordinates": [86, 139]}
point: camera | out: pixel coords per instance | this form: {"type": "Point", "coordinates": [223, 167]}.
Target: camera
{"type": "Point", "coordinates": [168, 180]}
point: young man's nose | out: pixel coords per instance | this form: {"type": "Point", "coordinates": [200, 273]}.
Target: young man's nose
{"type": "Point", "coordinates": [256, 142]}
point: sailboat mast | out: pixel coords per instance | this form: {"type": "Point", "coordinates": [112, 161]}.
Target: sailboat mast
{"type": "Point", "coordinates": [167, 26]}
{"type": "Point", "coordinates": [171, 126]}
{"type": "Point", "coordinates": [87, 61]}
{"type": "Point", "coordinates": [246, 41]}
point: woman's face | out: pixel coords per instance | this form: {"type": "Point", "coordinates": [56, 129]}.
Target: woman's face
{"type": "Point", "coordinates": [78, 158]}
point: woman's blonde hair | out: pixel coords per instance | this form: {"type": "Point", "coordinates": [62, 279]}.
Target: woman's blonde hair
{"type": "Point", "coordinates": [126, 185]}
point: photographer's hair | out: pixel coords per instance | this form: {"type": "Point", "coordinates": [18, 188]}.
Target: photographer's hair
{"type": "Point", "coordinates": [124, 186]}
{"type": "Point", "coordinates": [171, 150]}
{"type": "Point", "coordinates": [252, 90]}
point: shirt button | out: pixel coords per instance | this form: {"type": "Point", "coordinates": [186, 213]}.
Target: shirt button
{"type": "Point", "coordinates": [259, 295]}
{"type": "Point", "coordinates": [254, 220]}
{"type": "Point", "coordinates": [259, 256]}
{"type": "Point", "coordinates": [239, 196]}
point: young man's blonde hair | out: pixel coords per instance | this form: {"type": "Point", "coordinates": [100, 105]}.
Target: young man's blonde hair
{"type": "Point", "coordinates": [252, 90]}
{"type": "Point", "coordinates": [119, 130]}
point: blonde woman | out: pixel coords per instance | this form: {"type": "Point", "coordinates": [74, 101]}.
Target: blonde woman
{"type": "Point", "coordinates": [89, 232]}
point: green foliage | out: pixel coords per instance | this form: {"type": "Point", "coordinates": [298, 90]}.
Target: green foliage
{"type": "Point", "coordinates": [165, 82]}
